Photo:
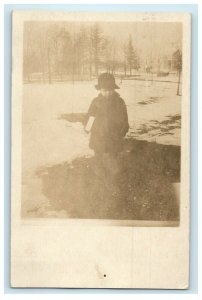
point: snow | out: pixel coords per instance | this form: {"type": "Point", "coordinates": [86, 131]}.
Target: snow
{"type": "Point", "coordinates": [49, 139]}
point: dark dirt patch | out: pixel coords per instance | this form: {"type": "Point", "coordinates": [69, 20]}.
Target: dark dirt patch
{"type": "Point", "coordinates": [74, 117]}
{"type": "Point", "coordinates": [139, 189]}
{"type": "Point", "coordinates": [159, 128]}
{"type": "Point", "coordinates": [150, 100]}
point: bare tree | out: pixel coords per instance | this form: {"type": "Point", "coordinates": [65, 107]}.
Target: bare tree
{"type": "Point", "coordinates": [42, 54]}
{"type": "Point", "coordinates": [178, 56]}
{"type": "Point", "coordinates": [51, 45]}
{"type": "Point", "coordinates": [109, 56]}
{"type": "Point", "coordinates": [82, 51]}
{"type": "Point", "coordinates": [96, 42]}
{"type": "Point", "coordinates": [63, 50]}
{"type": "Point", "coordinates": [28, 55]}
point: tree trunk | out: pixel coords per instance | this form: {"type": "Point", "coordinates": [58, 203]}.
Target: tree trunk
{"type": "Point", "coordinates": [90, 70]}
{"type": "Point", "coordinates": [49, 67]}
{"type": "Point", "coordinates": [96, 66]}
{"type": "Point", "coordinates": [178, 85]}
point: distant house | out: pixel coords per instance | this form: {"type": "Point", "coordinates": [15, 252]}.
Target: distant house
{"type": "Point", "coordinates": [167, 64]}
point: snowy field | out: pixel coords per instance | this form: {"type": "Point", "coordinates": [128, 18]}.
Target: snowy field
{"type": "Point", "coordinates": [154, 115]}
{"type": "Point", "coordinates": [50, 139]}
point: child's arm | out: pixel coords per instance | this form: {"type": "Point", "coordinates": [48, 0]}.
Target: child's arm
{"type": "Point", "coordinates": [124, 120]}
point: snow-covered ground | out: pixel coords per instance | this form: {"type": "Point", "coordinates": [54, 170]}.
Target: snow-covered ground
{"type": "Point", "coordinates": [49, 139]}
{"type": "Point", "coordinates": [153, 110]}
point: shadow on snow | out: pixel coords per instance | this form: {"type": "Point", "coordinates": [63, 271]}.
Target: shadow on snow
{"type": "Point", "coordinates": [135, 186]}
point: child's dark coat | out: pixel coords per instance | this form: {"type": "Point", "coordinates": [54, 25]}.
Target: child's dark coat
{"type": "Point", "coordinates": [110, 125]}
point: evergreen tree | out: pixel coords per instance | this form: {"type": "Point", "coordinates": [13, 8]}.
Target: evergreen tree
{"type": "Point", "coordinates": [131, 57]}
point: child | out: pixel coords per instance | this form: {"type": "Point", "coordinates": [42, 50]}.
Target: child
{"type": "Point", "coordinates": [108, 117]}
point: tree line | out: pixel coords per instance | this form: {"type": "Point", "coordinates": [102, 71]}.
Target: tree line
{"type": "Point", "coordinates": [60, 54]}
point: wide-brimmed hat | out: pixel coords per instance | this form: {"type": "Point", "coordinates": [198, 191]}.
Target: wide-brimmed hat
{"type": "Point", "coordinates": [106, 81]}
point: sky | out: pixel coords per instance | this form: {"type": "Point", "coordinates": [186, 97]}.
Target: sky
{"type": "Point", "coordinates": [156, 39]}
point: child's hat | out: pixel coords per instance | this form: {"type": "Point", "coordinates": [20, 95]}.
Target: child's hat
{"type": "Point", "coordinates": [106, 81]}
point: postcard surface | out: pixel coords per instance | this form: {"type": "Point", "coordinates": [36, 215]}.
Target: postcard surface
{"type": "Point", "coordinates": [100, 150]}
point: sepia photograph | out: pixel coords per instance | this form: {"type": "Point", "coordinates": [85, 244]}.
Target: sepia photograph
{"type": "Point", "coordinates": [101, 120]}
{"type": "Point", "coordinates": [100, 149]}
